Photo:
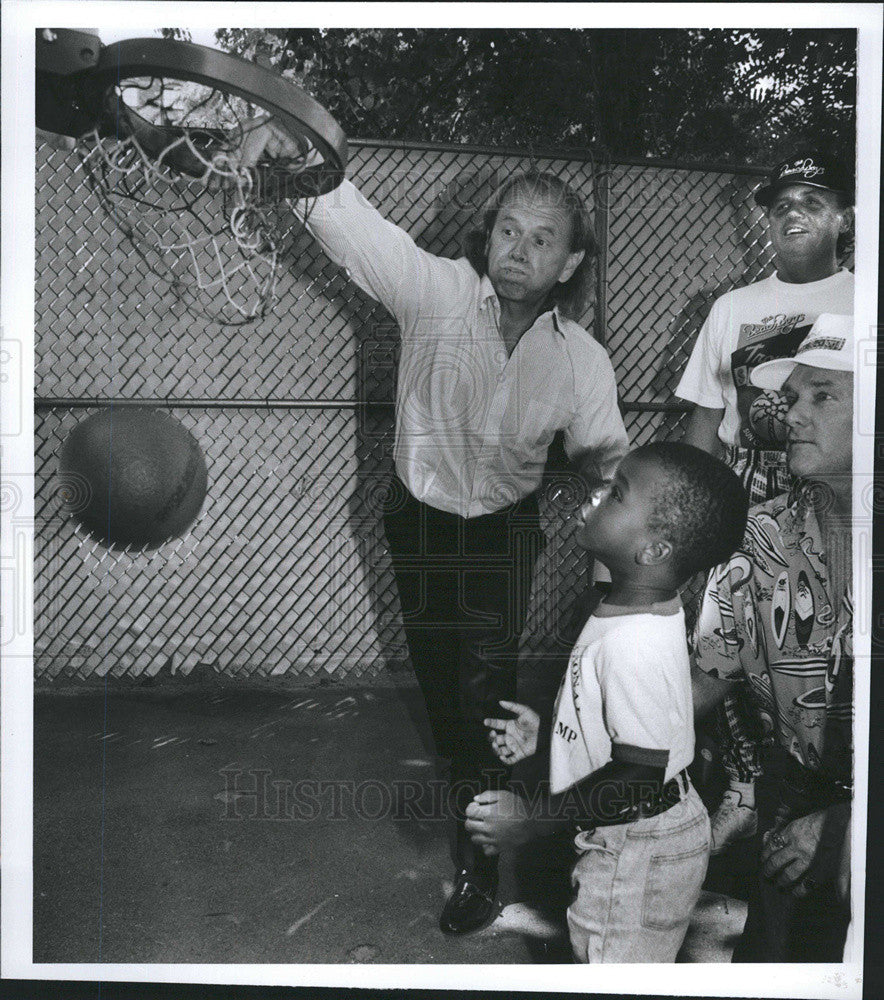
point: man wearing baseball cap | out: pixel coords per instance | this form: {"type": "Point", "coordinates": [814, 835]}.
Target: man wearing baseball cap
{"type": "Point", "coordinates": [808, 201]}
{"type": "Point", "coordinates": [777, 620]}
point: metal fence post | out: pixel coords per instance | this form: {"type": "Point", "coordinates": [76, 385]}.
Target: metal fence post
{"type": "Point", "coordinates": [602, 217]}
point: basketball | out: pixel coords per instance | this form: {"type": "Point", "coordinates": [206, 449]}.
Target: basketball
{"type": "Point", "coordinates": [132, 476]}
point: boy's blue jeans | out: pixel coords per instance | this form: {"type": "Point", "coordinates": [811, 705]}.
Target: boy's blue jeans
{"type": "Point", "coordinates": [637, 884]}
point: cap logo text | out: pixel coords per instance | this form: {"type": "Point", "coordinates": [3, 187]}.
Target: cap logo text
{"type": "Point", "coordinates": [805, 167]}
{"type": "Point", "coordinates": [823, 344]}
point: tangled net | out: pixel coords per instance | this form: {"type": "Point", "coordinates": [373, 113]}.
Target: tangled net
{"type": "Point", "coordinates": [165, 164]}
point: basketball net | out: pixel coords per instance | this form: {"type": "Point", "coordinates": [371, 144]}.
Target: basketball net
{"type": "Point", "coordinates": [172, 182]}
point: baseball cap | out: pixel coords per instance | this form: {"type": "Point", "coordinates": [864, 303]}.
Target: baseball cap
{"type": "Point", "coordinates": [814, 169]}
{"type": "Point", "coordinates": [828, 345]}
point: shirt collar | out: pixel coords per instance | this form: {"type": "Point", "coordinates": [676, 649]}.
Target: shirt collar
{"type": "Point", "coordinates": [800, 524]}
{"type": "Point", "coordinates": [670, 607]}
{"type": "Point", "coordinates": [486, 291]}
{"type": "Point", "coordinates": [488, 295]}
{"type": "Point", "coordinates": [556, 317]}
{"type": "Point", "coordinates": [802, 500]}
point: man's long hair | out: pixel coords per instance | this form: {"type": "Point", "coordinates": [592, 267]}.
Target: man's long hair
{"type": "Point", "coordinates": [570, 296]}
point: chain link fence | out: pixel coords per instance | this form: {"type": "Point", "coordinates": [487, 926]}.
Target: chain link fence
{"type": "Point", "coordinates": [286, 570]}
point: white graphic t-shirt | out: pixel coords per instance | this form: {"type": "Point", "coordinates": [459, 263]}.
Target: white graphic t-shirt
{"type": "Point", "coordinates": [627, 692]}
{"type": "Point", "coordinates": [745, 327]}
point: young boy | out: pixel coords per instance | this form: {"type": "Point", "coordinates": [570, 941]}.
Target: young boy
{"type": "Point", "coordinates": [623, 733]}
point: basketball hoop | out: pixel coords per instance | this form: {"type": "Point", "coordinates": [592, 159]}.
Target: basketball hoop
{"type": "Point", "coordinates": [163, 156]}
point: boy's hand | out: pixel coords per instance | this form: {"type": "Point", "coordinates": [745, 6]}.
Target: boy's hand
{"type": "Point", "coordinates": [514, 739]}
{"type": "Point", "coordinates": [498, 820]}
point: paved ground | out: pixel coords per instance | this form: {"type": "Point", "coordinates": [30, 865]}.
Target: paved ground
{"type": "Point", "coordinates": [221, 823]}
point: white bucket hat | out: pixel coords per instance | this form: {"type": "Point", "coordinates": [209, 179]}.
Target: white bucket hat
{"type": "Point", "coordinates": [828, 345]}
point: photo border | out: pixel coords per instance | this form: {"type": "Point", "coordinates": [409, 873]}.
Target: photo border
{"type": "Point", "coordinates": [16, 693]}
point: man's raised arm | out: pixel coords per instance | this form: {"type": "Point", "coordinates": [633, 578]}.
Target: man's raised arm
{"type": "Point", "coordinates": [379, 256]}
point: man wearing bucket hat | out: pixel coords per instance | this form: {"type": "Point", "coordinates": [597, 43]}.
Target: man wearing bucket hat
{"type": "Point", "coordinates": [777, 619]}
{"type": "Point", "coordinates": [808, 206]}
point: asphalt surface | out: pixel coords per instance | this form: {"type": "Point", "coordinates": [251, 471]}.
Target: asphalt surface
{"type": "Point", "coordinates": [232, 824]}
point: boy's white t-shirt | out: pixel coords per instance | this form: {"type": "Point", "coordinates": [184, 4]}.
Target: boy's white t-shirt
{"type": "Point", "coordinates": [744, 328]}
{"type": "Point", "coordinates": [627, 691]}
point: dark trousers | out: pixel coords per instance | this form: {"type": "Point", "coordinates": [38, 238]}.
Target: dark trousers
{"type": "Point", "coordinates": [463, 586]}
{"type": "Point", "coordinates": [779, 926]}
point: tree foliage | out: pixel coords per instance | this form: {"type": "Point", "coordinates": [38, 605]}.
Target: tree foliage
{"type": "Point", "coordinates": [728, 95]}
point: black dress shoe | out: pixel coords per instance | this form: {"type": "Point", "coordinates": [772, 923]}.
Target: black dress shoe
{"type": "Point", "coordinates": [471, 904]}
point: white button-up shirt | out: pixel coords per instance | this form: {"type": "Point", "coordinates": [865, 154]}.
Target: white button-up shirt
{"type": "Point", "coordinates": [473, 423]}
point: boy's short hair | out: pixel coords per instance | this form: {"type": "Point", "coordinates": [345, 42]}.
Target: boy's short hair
{"type": "Point", "coordinates": [700, 506]}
